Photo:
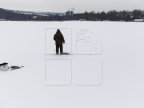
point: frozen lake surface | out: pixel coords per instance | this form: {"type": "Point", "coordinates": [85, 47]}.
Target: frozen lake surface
{"type": "Point", "coordinates": [104, 68]}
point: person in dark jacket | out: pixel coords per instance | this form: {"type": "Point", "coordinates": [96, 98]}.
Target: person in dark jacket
{"type": "Point", "coordinates": [59, 41]}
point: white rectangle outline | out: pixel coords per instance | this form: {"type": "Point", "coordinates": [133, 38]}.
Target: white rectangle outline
{"type": "Point", "coordinates": [100, 82]}
{"type": "Point", "coordinates": [45, 82]}
{"type": "Point", "coordinates": [86, 53]}
{"type": "Point", "coordinates": [2, 104]}
{"type": "Point", "coordinates": [57, 28]}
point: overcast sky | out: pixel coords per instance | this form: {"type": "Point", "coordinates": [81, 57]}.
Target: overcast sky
{"type": "Point", "coordinates": [78, 5]}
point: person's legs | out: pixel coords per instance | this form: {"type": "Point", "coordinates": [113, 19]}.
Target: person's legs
{"type": "Point", "coordinates": [57, 49]}
{"type": "Point", "coordinates": [61, 49]}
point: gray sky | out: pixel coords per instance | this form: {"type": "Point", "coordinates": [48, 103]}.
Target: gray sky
{"type": "Point", "coordinates": [79, 5]}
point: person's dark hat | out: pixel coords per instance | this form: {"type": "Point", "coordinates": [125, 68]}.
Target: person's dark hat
{"type": "Point", "coordinates": [58, 30]}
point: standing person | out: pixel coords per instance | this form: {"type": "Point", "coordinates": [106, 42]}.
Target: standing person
{"type": "Point", "coordinates": [59, 41]}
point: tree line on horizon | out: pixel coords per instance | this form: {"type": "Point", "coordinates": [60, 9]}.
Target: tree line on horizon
{"type": "Point", "coordinates": [112, 15]}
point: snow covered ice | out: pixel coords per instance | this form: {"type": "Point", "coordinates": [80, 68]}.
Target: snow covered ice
{"type": "Point", "coordinates": [104, 67]}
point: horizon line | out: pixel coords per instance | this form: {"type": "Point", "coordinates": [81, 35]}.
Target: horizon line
{"type": "Point", "coordinates": [69, 10]}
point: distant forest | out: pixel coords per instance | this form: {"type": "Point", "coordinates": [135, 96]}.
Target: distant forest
{"type": "Point", "coordinates": [113, 15]}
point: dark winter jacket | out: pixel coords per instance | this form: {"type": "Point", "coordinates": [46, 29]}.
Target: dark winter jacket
{"type": "Point", "coordinates": [59, 39]}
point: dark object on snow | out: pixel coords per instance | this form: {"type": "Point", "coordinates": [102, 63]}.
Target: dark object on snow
{"type": "Point", "coordinates": [59, 41]}
{"type": "Point", "coordinates": [4, 66]}
{"type": "Point", "coordinates": [15, 67]}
